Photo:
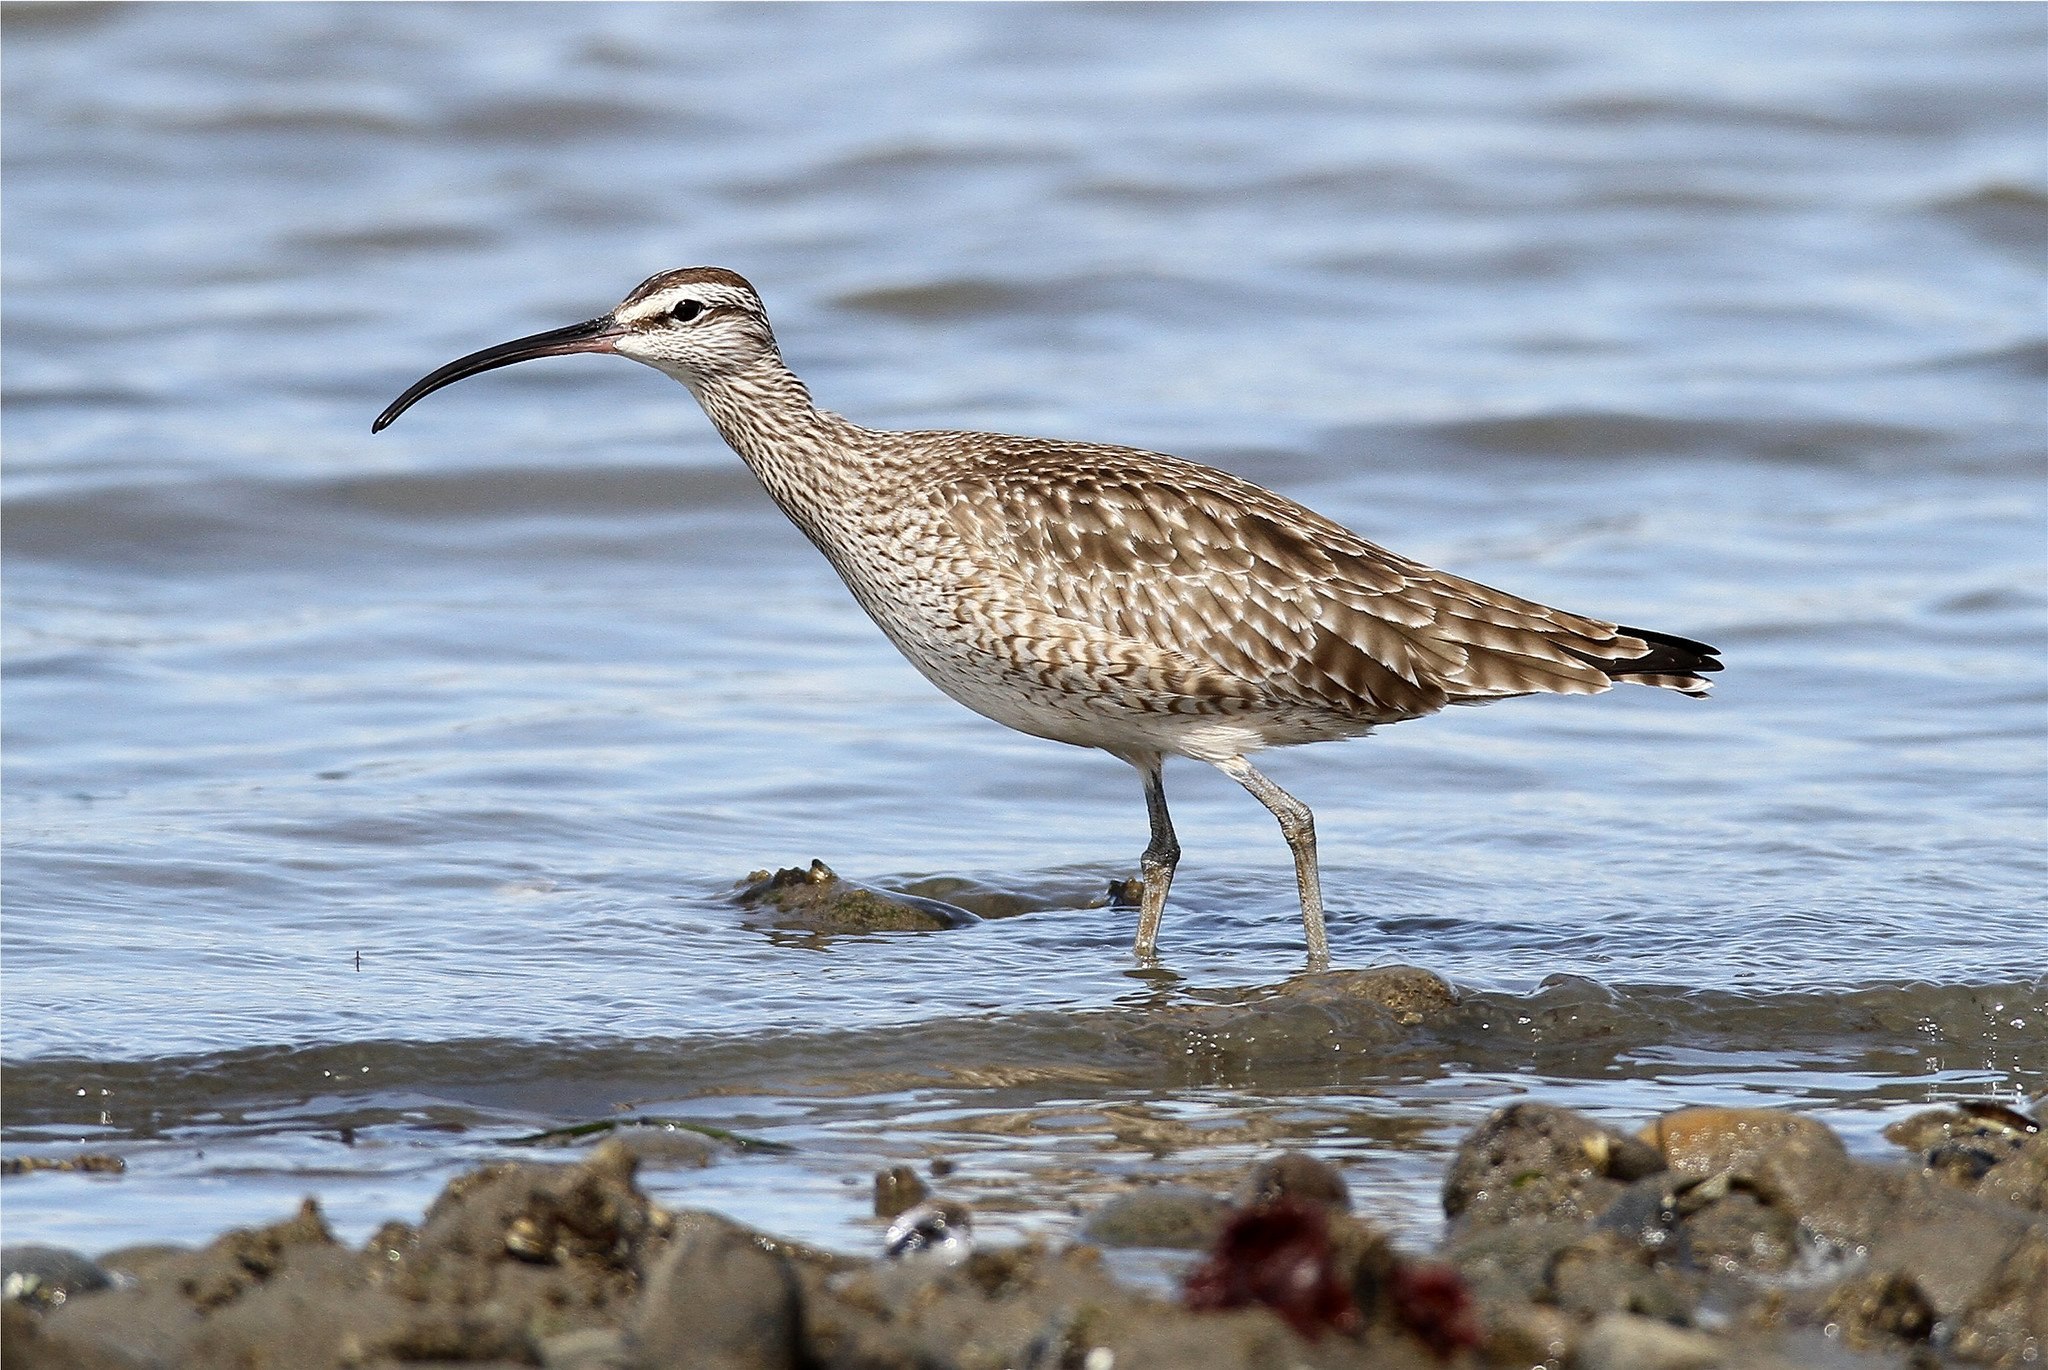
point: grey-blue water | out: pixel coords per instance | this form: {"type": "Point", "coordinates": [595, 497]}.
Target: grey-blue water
{"type": "Point", "coordinates": [1727, 321]}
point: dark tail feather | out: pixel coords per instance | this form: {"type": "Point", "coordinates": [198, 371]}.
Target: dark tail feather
{"type": "Point", "coordinates": [1668, 655]}
{"type": "Point", "coordinates": [1672, 663]}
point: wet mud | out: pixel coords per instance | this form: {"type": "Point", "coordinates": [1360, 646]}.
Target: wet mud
{"type": "Point", "coordinates": [1705, 1237]}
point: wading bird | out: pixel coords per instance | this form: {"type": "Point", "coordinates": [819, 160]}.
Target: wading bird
{"type": "Point", "coordinates": [1105, 596]}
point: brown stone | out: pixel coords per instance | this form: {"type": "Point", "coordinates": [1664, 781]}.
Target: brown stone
{"type": "Point", "coordinates": [1538, 1160]}
{"type": "Point", "coordinates": [897, 1190]}
{"type": "Point", "coordinates": [1298, 1176]}
{"type": "Point", "coordinates": [1787, 1154]}
{"type": "Point", "coordinates": [717, 1301]}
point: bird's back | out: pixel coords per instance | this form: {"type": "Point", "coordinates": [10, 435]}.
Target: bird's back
{"type": "Point", "coordinates": [1159, 585]}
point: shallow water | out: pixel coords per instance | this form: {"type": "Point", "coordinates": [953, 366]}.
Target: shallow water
{"type": "Point", "coordinates": [401, 785]}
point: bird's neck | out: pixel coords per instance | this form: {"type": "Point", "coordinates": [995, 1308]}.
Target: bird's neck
{"type": "Point", "coordinates": [808, 459]}
{"type": "Point", "coordinates": [757, 409]}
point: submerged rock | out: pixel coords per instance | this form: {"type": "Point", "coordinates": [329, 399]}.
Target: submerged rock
{"type": "Point", "coordinates": [1323, 1014]}
{"type": "Point", "coordinates": [1413, 996]}
{"type": "Point", "coordinates": [817, 900]}
{"type": "Point", "coordinates": [667, 1148]}
{"type": "Point", "coordinates": [662, 1143]}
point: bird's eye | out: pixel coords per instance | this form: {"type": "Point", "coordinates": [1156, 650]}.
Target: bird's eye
{"type": "Point", "coordinates": [686, 311]}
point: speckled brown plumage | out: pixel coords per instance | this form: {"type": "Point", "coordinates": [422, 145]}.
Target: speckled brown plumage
{"type": "Point", "coordinates": [1106, 596]}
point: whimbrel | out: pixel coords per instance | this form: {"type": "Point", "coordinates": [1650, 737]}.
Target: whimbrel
{"type": "Point", "coordinates": [1105, 596]}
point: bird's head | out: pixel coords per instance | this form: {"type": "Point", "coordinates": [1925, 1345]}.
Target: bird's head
{"type": "Point", "coordinates": [695, 323]}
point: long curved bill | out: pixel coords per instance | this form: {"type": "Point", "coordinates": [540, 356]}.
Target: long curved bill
{"type": "Point", "coordinates": [592, 335]}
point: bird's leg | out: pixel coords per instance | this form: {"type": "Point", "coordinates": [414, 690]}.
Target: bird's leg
{"type": "Point", "coordinates": [1162, 854]}
{"type": "Point", "coordinates": [1298, 826]}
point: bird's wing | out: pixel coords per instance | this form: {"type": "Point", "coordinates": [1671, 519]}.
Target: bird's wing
{"type": "Point", "coordinates": [1257, 589]}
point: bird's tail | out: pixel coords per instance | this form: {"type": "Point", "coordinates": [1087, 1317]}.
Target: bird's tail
{"type": "Point", "coordinates": [1670, 663]}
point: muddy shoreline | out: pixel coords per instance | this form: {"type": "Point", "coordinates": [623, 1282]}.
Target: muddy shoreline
{"type": "Point", "coordinates": [1705, 1237]}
